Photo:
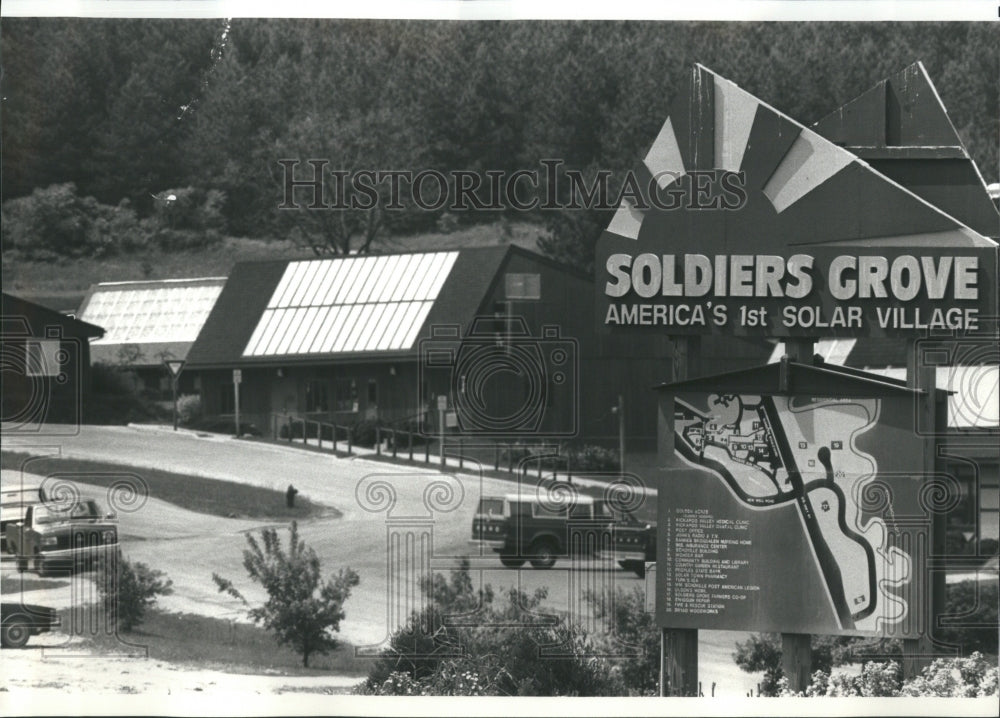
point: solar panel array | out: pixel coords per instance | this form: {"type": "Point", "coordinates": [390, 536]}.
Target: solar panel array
{"type": "Point", "coordinates": [161, 312]}
{"type": "Point", "coordinates": [350, 304]}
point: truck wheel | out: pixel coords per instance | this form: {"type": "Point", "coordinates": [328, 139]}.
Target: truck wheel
{"type": "Point", "coordinates": [15, 633]}
{"type": "Point", "coordinates": [22, 564]}
{"type": "Point", "coordinates": [543, 554]}
{"type": "Point", "coordinates": [511, 561]}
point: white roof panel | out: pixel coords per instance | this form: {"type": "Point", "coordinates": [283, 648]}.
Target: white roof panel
{"type": "Point", "coordinates": [146, 312]}
{"type": "Point", "coordinates": [350, 304]}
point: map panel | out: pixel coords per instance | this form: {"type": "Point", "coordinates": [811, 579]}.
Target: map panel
{"type": "Point", "coordinates": [766, 517]}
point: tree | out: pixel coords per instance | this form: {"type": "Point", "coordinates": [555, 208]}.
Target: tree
{"type": "Point", "coordinates": [300, 609]}
{"type": "Point", "coordinates": [127, 589]}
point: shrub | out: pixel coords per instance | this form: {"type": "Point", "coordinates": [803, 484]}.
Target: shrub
{"type": "Point", "coordinates": [971, 677]}
{"type": "Point", "coordinates": [188, 409]}
{"type": "Point", "coordinates": [301, 610]}
{"type": "Point", "coordinates": [363, 432]}
{"type": "Point", "coordinates": [56, 222]}
{"type": "Point", "coordinates": [762, 653]}
{"type": "Point", "coordinates": [499, 653]}
{"type": "Point", "coordinates": [877, 679]}
{"type": "Point", "coordinates": [637, 674]}
{"type": "Point", "coordinates": [108, 379]}
{"type": "Point", "coordinates": [595, 458]}
{"type": "Point", "coordinates": [128, 589]}
{"type": "Point", "coordinates": [976, 603]}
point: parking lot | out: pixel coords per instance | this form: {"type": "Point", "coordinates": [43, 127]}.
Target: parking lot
{"type": "Point", "coordinates": [374, 500]}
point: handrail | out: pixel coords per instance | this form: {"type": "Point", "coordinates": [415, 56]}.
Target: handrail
{"type": "Point", "coordinates": [291, 423]}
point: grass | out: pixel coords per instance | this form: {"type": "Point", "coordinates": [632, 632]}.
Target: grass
{"type": "Point", "coordinates": [217, 644]}
{"type": "Point", "coordinates": [208, 496]}
{"type": "Point", "coordinates": [63, 283]}
{"type": "Point", "coordinates": [10, 583]}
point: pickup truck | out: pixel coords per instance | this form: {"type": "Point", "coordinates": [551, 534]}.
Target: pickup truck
{"type": "Point", "coordinates": [21, 621]}
{"type": "Point", "coordinates": [57, 535]}
{"type": "Point", "coordinates": [13, 503]}
{"type": "Point", "coordinates": [522, 528]}
{"type": "Point", "coordinates": [635, 544]}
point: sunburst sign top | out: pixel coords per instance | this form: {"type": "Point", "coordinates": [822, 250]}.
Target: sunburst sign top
{"type": "Point", "coordinates": [740, 220]}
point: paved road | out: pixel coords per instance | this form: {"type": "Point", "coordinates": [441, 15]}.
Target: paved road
{"type": "Point", "coordinates": [380, 503]}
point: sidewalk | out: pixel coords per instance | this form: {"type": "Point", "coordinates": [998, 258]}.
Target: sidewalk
{"type": "Point", "coordinates": [453, 463]}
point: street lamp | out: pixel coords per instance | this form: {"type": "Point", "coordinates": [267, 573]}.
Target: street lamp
{"type": "Point", "coordinates": [174, 366]}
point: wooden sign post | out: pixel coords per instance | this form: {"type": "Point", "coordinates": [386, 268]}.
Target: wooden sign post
{"type": "Point", "coordinates": [678, 646]}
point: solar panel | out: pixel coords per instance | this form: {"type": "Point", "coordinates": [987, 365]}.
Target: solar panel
{"type": "Point", "coordinates": [350, 304]}
{"type": "Point", "coordinates": [140, 312]}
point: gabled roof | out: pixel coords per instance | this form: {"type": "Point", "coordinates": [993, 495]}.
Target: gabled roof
{"type": "Point", "coordinates": [365, 307]}
{"type": "Point", "coordinates": [902, 129]}
{"type": "Point", "coordinates": [158, 318]}
{"type": "Point", "coordinates": [24, 318]}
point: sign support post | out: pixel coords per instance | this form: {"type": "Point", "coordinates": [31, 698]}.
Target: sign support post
{"type": "Point", "coordinates": [174, 366]}
{"type": "Point", "coordinates": [796, 648]}
{"type": "Point", "coordinates": [237, 380]}
{"type": "Point", "coordinates": [917, 652]}
{"type": "Point", "coordinates": [678, 646]}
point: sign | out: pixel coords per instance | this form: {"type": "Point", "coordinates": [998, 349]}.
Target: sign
{"type": "Point", "coordinates": [237, 376]}
{"type": "Point", "coordinates": [741, 221]}
{"type": "Point", "coordinates": [442, 402]}
{"type": "Point", "coordinates": [798, 514]}
{"type": "Point", "coordinates": [174, 366]}
{"type": "Point", "coordinates": [823, 292]}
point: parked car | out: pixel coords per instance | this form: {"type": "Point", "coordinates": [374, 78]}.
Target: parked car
{"type": "Point", "coordinates": [13, 503]}
{"type": "Point", "coordinates": [523, 528]}
{"type": "Point", "coordinates": [56, 535]}
{"type": "Point", "coordinates": [21, 621]}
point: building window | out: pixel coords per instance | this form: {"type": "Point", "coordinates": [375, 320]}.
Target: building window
{"type": "Point", "coordinates": [372, 392]}
{"type": "Point", "coordinates": [316, 397]}
{"type": "Point", "coordinates": [227, 399]}
{"type": "Point", "coordinates": [523, 286]}
{"type": "Point", "coordinates": [347, 395]}
{"type": "Point", "coordinates": [42, 357]}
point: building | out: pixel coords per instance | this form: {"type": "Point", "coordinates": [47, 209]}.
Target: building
{"type": "Point", "coordinates": [148, 322]}
{"type": "Point", "coordinates": [45, 367]}
{"type": "Point", "coordinates": [902, 129]}
{"type": "Point", "coordinates": [376, 337]}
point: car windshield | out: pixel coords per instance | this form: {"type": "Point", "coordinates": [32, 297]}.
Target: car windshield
{"type": "Point", "coordinates": [81, 510]}
{"type": "Point", "coordinates": [490, 506]}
